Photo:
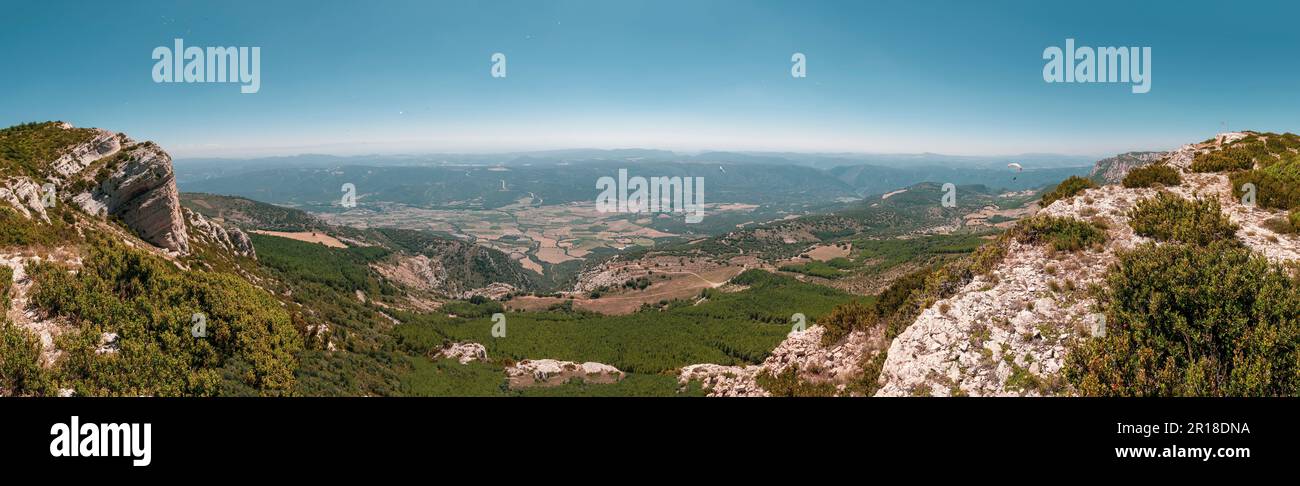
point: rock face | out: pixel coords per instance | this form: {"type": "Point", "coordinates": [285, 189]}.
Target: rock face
{"type": "Point", "coordinates": [550, 372]}
{"type": "Point", "coordinates": [232, 240]}
{"type": "Point", "coordinates": [417, 271]}
{"type": "Point", "coordinates": [463, 352]}
{"type": "Point", "coordinates": [836, 364]}
{"type": "Point", "coordinates": [424, 273]}
{"type": "Point", "coordinates": [141, 190]}
{"type": "Point", "coordinates": [1113, 170]}
{"type": "Point", "coordinates": [111, 175]}
{"type": "Point", "coordinates": [24, 195]}
{"type": "Point", "coordinates": [103, 144]}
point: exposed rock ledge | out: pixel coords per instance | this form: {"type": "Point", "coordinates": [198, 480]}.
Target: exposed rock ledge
{"type": "Point", "coordinates": [24, 195]}
{"type": "Point", "coordinates": [550, 372]}
{"type": "Point", "coordinates": [535, 372]}
{"type": "Point", "coordinates": [837, 364]}
{"type": "Point", "coordinates": [463, 352]}
{"type": "Point", "coordinates": [232, 240]}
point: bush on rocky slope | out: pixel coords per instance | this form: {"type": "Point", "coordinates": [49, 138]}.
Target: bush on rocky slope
{"type": "Point", "coordinates": [1223, 160]}
{"type": "Point", "coordinates": [20, 362]}
{"type": "Point", "coordinates": [1168, 217]}
{"type": "Point", "coordinates": [1192, 320]}
{"type": "Point", "coordinates": [6, 282]}
{"type": "Point", "coordinates": [20, 351]}
{"type": "Point", "coordinates": [1277, 186]}
{"type": "Point", "coordinates": [1151, 175]}
{"type": "Point", "coordinates": [788, 384]}
{"type": "Point", "coordinates": [16, 230]}
{"type": "Point", "coordinates": [1061, 234]}
{"type": "Point", "coordinates": [149, 305]}
{"type": "Point", "coordinates": [1067, 188]}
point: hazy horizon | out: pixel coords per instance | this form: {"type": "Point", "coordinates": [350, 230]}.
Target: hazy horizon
{"type": "Point", "coordinates": [891, 77]}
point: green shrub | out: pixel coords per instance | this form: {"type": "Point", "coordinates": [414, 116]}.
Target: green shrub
{"type": "Point", "coordinates": [1222, 160]}
{"type": "Point", "coordinates": [1279, 225]}
{"type": "Point", "coordinates": [729, 328]}
{"type": "Point", "coordinates": [845, 319]}
{"type": "Point", "coordinates": [6, 282]}
{"type": "Point", "coordinates": [1277, 186]}
{"type": "Point", "coordinates": [251, 343]}
{"type": "Point", "coordinates": [1150, 175]}
{"type": "Point", "coordinates": [1294, 218]}
{"type": "Point", "coordinates": [815, 269]}
{"type": "Point", "coordinates": [20, 362]}
{"type": "Point", "coordinates": [1067, 188]}
{"type": "Point", "coordinates": [1191, 320]}
{"type": "Point", "coordinates": [16, 230]}
{"type": "Point", "coordinates": [788, 384]}
{"type": "Point", "coordinates": [1168, 217]}
{"type": "Point", "coordinates": [1062, 234]}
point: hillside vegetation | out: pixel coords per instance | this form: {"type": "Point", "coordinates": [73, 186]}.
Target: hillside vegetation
{"type": "Point", "coordinates": [149, 306]}
{"type": "Point", "coordinates": [29, 148]}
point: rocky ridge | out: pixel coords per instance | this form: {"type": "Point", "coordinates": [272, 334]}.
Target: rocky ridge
{"type": "Point", "coordinates": [109, 175]}
{"type": "Point", "coordinates": [1007, 333]}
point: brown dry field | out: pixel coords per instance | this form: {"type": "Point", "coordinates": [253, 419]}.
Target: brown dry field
{"type": "Point", "coordinates": [823, 253]}
{"type": "Point", "coordinates": [307, 236]}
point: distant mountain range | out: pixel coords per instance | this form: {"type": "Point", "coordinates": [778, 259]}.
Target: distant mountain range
{"type": "Point", "coordinates": [492, 181]}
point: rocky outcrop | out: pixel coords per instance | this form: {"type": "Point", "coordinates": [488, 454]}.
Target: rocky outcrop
{"type": "Point", "coordinates": [462, 352]}
{"type": "Point", "coordinates": [414, 271]}
{"type": "Point", "coordinates": [1113, 170]}
{"type": "Point", "coordinates": [140, 189]}
{"type": "Point", "coordinates": [24, 195]}
{"type": "Point", "coordinates": [103, 144]}
{"type": "Point", "coordinates": [836, 364]}
{"type": "Point", "coordinates": [232, 240]}
{"type": "Point", "coordinates": [110, 175]}
{"type": "Point", "coordinates": [494, 291]}
{"type": "Point", "coordinates": [550, 372]}
{"type": "Point", "coordinates": [1006, 333]}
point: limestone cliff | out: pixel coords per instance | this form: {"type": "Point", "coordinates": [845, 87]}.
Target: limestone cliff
{"type": "Point", "coordinates": [138, 186]}
{"type": "Point", "coordinates": [1112, 170]}
{"type": "Point", "coordinates": [107, 174]}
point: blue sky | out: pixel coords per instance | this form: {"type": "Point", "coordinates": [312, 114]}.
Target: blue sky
{"type": "Point", "coordinates": [909, 76]}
